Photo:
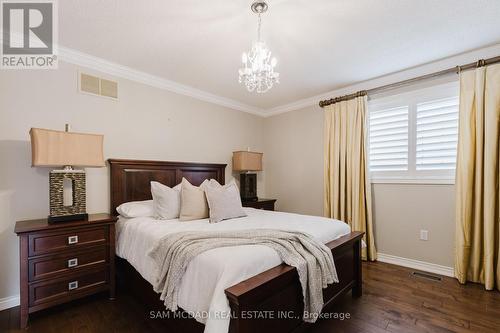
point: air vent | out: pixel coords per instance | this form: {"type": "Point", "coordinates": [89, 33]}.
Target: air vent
{"type": "Point", "coordinates": [109, 88]}
{"type": "Point", "coordinates": [427, 276]}
{"type": "Point", "coordinates": [89, 84]}
{"type": "Point", "coordinates": [94, 85]}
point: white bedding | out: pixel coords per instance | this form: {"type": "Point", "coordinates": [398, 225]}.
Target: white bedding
{"type": "Point", "coordinates": [210, 273]}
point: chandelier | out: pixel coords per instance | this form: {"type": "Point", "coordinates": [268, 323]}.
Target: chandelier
{"type": "Point", "coordinates": [258, 73]}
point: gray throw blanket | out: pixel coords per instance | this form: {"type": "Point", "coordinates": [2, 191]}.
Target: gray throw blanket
{"type": "Point", "coordinates": [312, 259]}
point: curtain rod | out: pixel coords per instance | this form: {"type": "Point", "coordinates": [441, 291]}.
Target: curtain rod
{"type": "Point", "coordinates": [456, 70]}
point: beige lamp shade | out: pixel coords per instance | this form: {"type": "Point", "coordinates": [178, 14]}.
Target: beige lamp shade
{"type": "Point", "coordinates": [247, 161]}
{"type": "Point", "coordinates": [59, 148]}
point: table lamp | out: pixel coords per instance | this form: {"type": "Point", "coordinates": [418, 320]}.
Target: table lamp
{"type": "Point", "coordinates": [50, 148]}
{"type": "Point", "coordinates": [247, 161]}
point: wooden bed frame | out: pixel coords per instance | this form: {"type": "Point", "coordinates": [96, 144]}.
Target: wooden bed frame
{"type": "Point", "coordinates": [276, 292]}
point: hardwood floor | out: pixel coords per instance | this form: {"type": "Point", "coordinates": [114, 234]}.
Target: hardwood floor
{"type": "Point", "coordinates": [393, 301]}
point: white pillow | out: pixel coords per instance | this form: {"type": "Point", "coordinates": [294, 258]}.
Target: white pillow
{"type": "Point", "coordinates": [213, 182]}
{"type": "Point", "coordinates": [224, 201]}
{"type": "Point", "coordinates": [166, 201]}
{"type": "Point", "coordinates": [136, 209]}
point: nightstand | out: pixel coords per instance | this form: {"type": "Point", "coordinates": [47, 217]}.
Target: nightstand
{"type": "Point", "coordinates": [266, 204]}
{"type": "Point", "coordinates": [64, 261]}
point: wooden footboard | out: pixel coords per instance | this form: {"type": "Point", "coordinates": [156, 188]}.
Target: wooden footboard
{"type": "Point", "coordinates": [272, 301]}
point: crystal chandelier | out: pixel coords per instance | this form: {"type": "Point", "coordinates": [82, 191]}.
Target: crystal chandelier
{"type": "Point", "coordinates": [258, 73]}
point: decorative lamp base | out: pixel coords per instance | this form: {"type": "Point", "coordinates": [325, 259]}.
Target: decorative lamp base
{"type": "Point", "coordinates": [248, 187]}
{"type": "Point", "coordinates": [73, 207]}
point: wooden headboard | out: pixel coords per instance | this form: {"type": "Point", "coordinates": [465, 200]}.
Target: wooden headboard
{"type": "Point", "coordinates": [130, 178]}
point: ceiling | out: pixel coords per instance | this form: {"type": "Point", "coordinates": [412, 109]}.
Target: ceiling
{"type": "Point", "coordinates": [321, 45]}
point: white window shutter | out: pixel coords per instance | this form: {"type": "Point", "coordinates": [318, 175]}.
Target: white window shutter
{"type": "Point", "coordinates": [437, 134]}
{"type": "Point", "coordinates": [388, 139]}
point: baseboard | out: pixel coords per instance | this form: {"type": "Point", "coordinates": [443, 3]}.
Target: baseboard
{"type": "Point", "coordinates": [9, 302]}
{"type": "Point", "coordinates": [416, 264]}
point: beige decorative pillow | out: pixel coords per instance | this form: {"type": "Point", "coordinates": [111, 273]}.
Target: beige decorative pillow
{"type": "Point", "coordinates": [194, 204]}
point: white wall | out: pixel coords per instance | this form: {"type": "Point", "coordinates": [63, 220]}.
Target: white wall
{"type": "Point", "coordinates": [402, 210]}
{"type": "Point", "coordinates": [294, 160]}
{"type": "Point", "coordinates": [145, 123]}
{"type": "Point", "coordinates": [294, 175]}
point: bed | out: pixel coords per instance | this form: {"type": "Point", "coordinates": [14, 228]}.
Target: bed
{"type": "Point", "coordinates": [274, 290]}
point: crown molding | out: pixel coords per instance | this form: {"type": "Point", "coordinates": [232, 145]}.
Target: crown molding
{"type": "Point", "coordinates": [85, 60]}
{"type": "Point", "coordinates": [99, 64]}
{"type": "Point", "coordinates": [432, 67]}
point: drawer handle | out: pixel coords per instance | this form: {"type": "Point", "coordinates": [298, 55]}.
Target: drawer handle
{"type": "Point", "coordinates": [73, 262]}
{"type": "Point", "coordinates": [72, 239]}
{"type": "Point", "coordinates": [72, 285]}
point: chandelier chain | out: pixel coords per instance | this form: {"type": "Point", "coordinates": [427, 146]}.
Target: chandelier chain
{"type": "Point", "coordinates": [259, 24]}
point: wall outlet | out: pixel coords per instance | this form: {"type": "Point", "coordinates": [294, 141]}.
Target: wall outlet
{"type": "Point", "coordinates": [424, 235]}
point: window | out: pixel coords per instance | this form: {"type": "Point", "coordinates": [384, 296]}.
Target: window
{"type": "Point", "coordinates": [412, 136]}
{"type": "Point", "coordinates": [437, 134]}
{"type": "Point", "coordinates": [389, 139]}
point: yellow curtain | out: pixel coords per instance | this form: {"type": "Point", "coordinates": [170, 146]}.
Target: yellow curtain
{"type": "Point", "coordinates": [347, 191]}
{"type": "Point", "coordinates": [477, 257]}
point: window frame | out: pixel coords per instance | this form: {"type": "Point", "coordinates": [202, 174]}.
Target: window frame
{"type": "Point", "coordinates": [410, 98]}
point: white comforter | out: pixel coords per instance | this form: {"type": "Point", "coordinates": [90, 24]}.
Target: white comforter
{"type": "Point", "coordinates": [210, 273]}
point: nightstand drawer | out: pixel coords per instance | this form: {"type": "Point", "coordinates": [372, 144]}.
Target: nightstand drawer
{"type": "Point", "coordinates": [50, 242]}
{"type": "Point", "coordinates": [63, 289]}
{"type": "Point", "coordinates": [52, 266]}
